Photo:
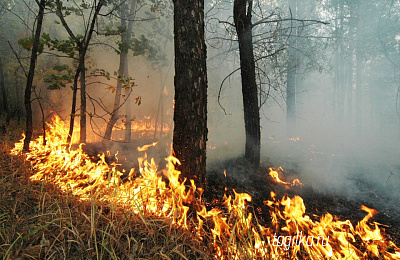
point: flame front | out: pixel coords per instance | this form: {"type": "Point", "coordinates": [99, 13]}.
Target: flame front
{"type": "Point", "coordinates": [232, 230]}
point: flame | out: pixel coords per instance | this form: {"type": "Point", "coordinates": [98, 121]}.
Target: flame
{"type": "Point", "coordinates": [231, 230]}
{"type": "Point", "coordinates": [143, 127]}
{"type": "Point", "coordinates": [275, 176]}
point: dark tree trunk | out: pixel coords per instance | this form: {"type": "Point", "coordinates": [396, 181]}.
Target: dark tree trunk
{"type": "Point", "coordinates": [5, 108]}
{"type": "Point", "coordinates": [31, 73]}
{"type": "Point", "coordinates": [190, 114]}
{"type": "Point", "coordinates": [82, 138]}
{"type": "Point", "coordinates": [242, 16]}
{"type": "Point", "coordinates": [73, 106]}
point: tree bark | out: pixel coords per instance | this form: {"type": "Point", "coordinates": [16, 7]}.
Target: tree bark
{"type": "Point", "coordinates": [31, 74]}
{"type": "Point", "coordinates": [190, 114]}
{"type": "Point", "coordinates": [242, 10]}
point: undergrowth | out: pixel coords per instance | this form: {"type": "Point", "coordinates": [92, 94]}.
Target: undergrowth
{"type": "Point", "coordinates": [37, 221]}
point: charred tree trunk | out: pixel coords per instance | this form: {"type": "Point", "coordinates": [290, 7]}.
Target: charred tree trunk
{"type": "Point", "coordinates": [5, 108]}
{"type": "Point", "coordinates": [190, 114]}
{"type": "Point", "coordinates": [31, 74]}
{"type": "Point", "coordinates": [242, 16]}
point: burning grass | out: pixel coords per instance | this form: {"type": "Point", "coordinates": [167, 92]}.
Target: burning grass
{"type": "Point", "coordinates": [40, 221]}
{"type": "Point", "coordinates": [92, 212]}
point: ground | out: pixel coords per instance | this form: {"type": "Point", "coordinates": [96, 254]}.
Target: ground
{"type": "Point", "coordinates": [38, 221]}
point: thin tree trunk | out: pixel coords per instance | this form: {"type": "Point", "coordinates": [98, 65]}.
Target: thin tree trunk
{"type": "Point", "coordinates": [160, 108]}
{"type": "Point", "coordinates": [123, 59]}
{"type": "Point", "coordinates": [190, 114]}
{"type": "Point", "coordinates": [291, 80]}
{"type": "Point", "coordinates": [128, 121]}
{"type": "Point", "coordinates": [83, 46]}
{"type": "Point", "coordinates": [31, 73]}
{"type": "Point", "coordinates": [82, 138]}
{"type": "Point", "coordinates": [127, 23]}
{"type": "Point", "coordinates": [73, 106]}
{"type": "Point", "coordinates": [242, 10]}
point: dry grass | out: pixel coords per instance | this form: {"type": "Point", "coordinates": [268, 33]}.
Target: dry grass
{"type": "Point", "coordinates": [37, 221]}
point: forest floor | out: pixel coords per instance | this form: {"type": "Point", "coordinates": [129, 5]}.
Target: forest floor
{"type": "Point", "coordinates": [38, 221]}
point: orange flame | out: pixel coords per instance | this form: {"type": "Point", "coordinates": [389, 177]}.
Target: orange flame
{"type": "Point", "coordinates": [275, 176]}
{"type": "Point", "coordinates": [232, 229]}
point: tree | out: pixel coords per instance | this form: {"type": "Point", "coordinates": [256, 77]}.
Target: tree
{"type": "Point", "coordinates": [190, 114]}
{"type": "Point", "coordinates": [31, 74]}
{"type": "Point", "coordinates": [291, 79]}
{"type": "Point", "coordinates": [82, 44]}
{"type": "Point", "coordinates": [126, 35]}
{"type": "Point", "coordinates": [242, 11]}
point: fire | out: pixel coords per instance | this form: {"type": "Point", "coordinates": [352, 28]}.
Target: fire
{"type": "Point", "coordinates": [275, 176]}
{"type": "Point", "coordinates": [231, 230]}
{"type": "Point", "coordinates": [143, 127]}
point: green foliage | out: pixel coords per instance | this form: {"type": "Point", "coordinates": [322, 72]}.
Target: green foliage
{"type": "Point", "coordinates": [108, 30]}
{"type": "Point", "coordinates": [62, 76]}
{"type": "Point", "coordinates": [27, 44]}
{"type": "Point", "coordinates": [127, 82]}
{"type": "Point", "coordinates": [101, 73]}
{"type": "Point", "coordinates": [68, 46]}
{"type": "Point", "coordinates": [142, 46]}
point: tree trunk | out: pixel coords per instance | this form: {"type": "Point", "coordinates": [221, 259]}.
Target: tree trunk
{"type": "Point", "coordinates": [291, 75]}
{"type": "Point", "coordinates": [6, 109]}
{"type": "Point", "coordinates": [123, 68]}
{"type": "Point", "coordinates": [242, 16]}
{"type": "Point", "coordinates": [127, 24]}
{"type": "Point", "coordinates": [128, 121]}
{"type": "Point", "coordinates": [83, 46]}
{"type": "Point", "coordinates": [73, 106]}
{"type": "Point", "coordinates": [190, 114]}
{"type": "Point", "coordinates": [31, 74]}
{"type": "Point", "coordinates": [82, 138]}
